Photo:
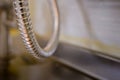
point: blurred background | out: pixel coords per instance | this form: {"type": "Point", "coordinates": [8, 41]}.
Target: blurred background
{"type": "Point", "coordinates": [91, 24]}
{"type": "Point", "coordinates": [88, 24]}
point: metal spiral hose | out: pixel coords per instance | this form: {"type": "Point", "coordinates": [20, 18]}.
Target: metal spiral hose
{"type": "Point", "coordinates": [26, 30]}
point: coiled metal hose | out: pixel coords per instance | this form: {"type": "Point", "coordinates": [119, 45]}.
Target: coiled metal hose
{"type": "Point", "coordinates": [26, 30]}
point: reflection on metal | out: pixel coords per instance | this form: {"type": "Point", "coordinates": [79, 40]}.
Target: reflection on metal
{"type": "Point", "coordinates": [84, 61]}
{"type": "Point", "coordinates": [25, 27]}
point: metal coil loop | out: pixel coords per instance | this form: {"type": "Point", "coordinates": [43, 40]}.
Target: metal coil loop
{"type": "Point", "coordinates": [26, 30]}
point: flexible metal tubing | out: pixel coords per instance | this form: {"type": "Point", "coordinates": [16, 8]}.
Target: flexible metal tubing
{"type": "Point", "coordinates": [25, 27]}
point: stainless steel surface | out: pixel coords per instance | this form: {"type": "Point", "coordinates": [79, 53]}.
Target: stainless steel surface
{"type": "Point", "coordinates": [50, 71]}
{"type": "Point", "coordinates": [27, 33]}
{"type": "Point", "coordinates": [84, 61]}
{"type": "Point", "coordinates": [68, 63]}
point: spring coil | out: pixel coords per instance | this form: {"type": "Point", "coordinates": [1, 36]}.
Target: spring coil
{"type": "Point", "coordinates": [26, 30]}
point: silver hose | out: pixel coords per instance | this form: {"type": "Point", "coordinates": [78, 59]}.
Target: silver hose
{"type": "Point", "coordinates": [26, 30]}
